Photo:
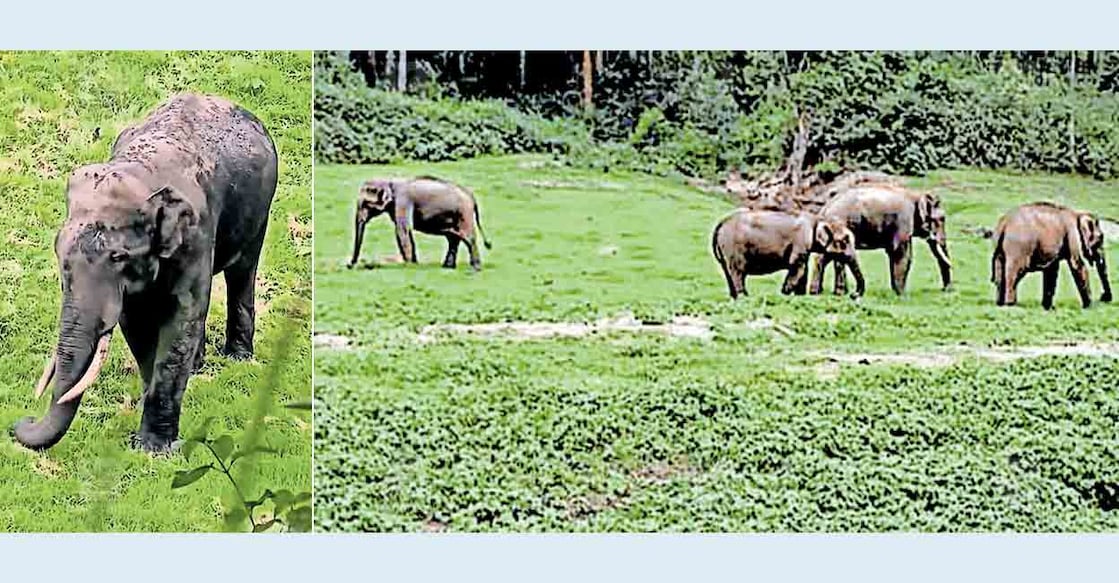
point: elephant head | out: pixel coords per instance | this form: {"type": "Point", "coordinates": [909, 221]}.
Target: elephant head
{"type": "Point", "coordinates": [1091, 240]}
{"type": "Point", "coordinates": [834, 239]}
{"type": "Point", "coordinates": [116, 232]}
{"type": "Point", "coordinates": [928, 223]}
{"type": "Point", "coordinates": [374, 197]}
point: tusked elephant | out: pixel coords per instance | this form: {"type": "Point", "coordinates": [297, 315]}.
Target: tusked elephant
{"type": "Point", "coordinates": [761, 242]}
{"type": "Point", "coordinates": [884, 216]}
{"type": "Point", "coordinates": [1036, 237]}
{"type": "Point", "coordinates": [185, 195]}
{"type": "Point", "coordinates": [432, 205]}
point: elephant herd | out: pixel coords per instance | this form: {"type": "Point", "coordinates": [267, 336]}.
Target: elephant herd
{"type": "Point", "coordinates": [1031, 237]}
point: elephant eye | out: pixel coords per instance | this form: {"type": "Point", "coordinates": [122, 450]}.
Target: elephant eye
{"type": "Point", "coordinates": [118, 256]}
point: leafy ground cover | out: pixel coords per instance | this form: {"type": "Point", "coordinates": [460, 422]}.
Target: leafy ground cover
{"type": "Point", "coordinates": [936, 411]}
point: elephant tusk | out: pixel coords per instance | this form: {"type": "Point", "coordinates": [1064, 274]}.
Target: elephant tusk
{"type": "Point", "coordinates": [90, 373]}
{"type": "Point", "coordinates": [47, 376]}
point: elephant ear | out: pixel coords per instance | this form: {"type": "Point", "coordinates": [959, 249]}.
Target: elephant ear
{"type": "Point", "coordinates": [925, 208]}
{"type": "Point", "coordinates": [1091, 236]}
{"type": "Point", "coordinates": [171, 217]}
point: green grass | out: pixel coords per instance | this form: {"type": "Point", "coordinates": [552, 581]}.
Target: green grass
{"type": "Point", "coordinates": [625, 432]}
{"type": "Point", "coordinates": [61, 110]}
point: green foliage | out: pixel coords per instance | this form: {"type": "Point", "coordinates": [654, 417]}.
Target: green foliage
{"type": "Point", "coordinates": [62, 110]}
{"type": "Point", "coordinates": [699, 113]}
{"type": "Point", "coordinates": [746, 431]}
{"type": "Point", "coordinates": [355, 124]}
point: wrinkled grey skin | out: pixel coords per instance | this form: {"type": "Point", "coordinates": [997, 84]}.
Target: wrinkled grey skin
{"type": "Point", "coordinates": [1037, 237]}
{"type": "Point", "coordinates": [888, 217]}
{"type": "Point", "coordinates": [431, 205]}
{"type": "Point", "coordinates": [185, 195]}
{"type": "Point", "coordinates": [763, 242]}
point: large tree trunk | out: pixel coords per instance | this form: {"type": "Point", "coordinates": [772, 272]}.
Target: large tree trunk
{"type": "Point", "coordinates": [588, 81]}
{"type": "Point", "coordinates": [402, 72]}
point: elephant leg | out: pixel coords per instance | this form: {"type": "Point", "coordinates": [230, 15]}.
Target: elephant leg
{"type": "Point", "coordinates": [1014, 269]}
{"type": "Point", "coordinates": [840, 287]}
{"type": "Point", "coordinates": [139, 324]}
{"type": "Point", "coordinates": [452, 252]}
{"type": "Point", "coordinates": [736, 282]}
{"type": "Point", "coordinates": [998, 277]}
{"type": "Point", "coordinates": [798, 272]}
{"type": "Point", "coordinates": [1049, 284]}
{"type": "Point", "coordinates": [240, 284]}
{"type": "Point", "coordinates": [175, 353]}
{"type": "Point", "coordinates": [475, 253]}
{"type": "Point", "coordinates": [405, 242]}
{"type": "Point", "coordinates": [818, 275]}
{"type": "Point", "coordinates": [1080, 276]}
{"type": "Point", "coordinates": [900, 259]}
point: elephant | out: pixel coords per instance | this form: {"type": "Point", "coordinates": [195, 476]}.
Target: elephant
{"type": "Point", "coordinates": [185, 195]}
{"type": "Point", "coordinates": [886, 216]}
{"type": "Point", "coordinates": [1036, 237]}
{"type": "Point", "coordinates": [760, 242]}
{"type": "Point", "coordinates": [434, 206]}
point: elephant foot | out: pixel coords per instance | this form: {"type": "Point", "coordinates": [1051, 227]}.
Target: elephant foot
{"type": "Point", "coordinates": [155, 444]}
{"type": "Point", "coordinates": [1106, 298]}
{"type": "Point", "coordinates": [448, 266]}
{"type": "Point", "coordinates": [237, 353]}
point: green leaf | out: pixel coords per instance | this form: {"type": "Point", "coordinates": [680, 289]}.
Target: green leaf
{"type": "Point", "coordinates": [300, 405]}
{"type": "Point", "coordinates": [188, 477]}
{"type": "Point", "coordinates": [263, 526]}
{"type": "Point", "coordinates": [302, 497]}
{"type": "Point", "coordinates": [203, 430]}
{"type": "Point", "coordinates": [236, 518]}
{"type": "Point", "coordinates": [299, 519]}
{"type": "Point", "coordinates": [282, 500]}
{"type": "Point", "coordinates": [223, 446]}
{"type": "Point", "coordinates": [251, 451]}
{"type": "Point", "coordinates": [188, 448]}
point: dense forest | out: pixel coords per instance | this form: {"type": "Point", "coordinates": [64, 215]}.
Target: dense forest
{"type": "Point", "coordinates": [703, 113]}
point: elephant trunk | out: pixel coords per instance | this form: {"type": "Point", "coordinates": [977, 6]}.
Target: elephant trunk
{"type": "Point", "coordinates": [81, 351]}
{"type": "Point", "coordinates": [359, 232]}
{"type": "Point", "coordinates": [940, 251]}
{"type": "Point", "coordinates": [1101, 269]}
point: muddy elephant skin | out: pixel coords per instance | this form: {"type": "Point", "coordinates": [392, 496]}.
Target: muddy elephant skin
{"type": "Point", "coordinates": [1037, 237]}
{"type": "Point", "coordinates": [428, 204]}
{"type": "Point", "coordinates": [888, 217]}
{"type": "Point", "coordinates": [762, 242]}
{"type": "Point", "coordinates": [185, 195]}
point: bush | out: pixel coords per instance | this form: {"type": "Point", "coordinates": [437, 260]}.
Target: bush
{"type": "Point", "coordinates": [699, 114]}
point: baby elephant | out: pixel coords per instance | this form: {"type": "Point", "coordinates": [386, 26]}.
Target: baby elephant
{"type": "Point", "coordinates": [1036, 237]}
{"type": "Point", "coordinates": [763, 242]}
{"type": "Point", "coordinates": [431, 205]}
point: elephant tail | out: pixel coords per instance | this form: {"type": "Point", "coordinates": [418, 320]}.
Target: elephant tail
{"type": "Point", "coordinates": [998, 256]}
{"type": "Point", "coordinates": [715, 247]}
{"type": "Point", "coordinates": [478, 222]}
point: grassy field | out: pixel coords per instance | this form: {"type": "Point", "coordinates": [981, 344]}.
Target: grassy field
{"type": "Point", "coordinates": [799, 414]}
{"type": "Point", "coordinates": [58, 111]}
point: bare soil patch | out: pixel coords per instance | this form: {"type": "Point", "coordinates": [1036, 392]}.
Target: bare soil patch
{"type": "Point", "coordinates": [834, 361]}
{"type": "Point", "coordinates": [680, 326]}
{"type": "Point", "coordinates": [332, 341]}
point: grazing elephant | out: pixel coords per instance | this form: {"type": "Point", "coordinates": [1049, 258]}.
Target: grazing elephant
{"type": "Point", "coordinates": [763, 242]}
{"type": "Point", "coordinates": [185, 195]}
{"type": "Point", "coordinates": [1036, 237]}
{"type": "Point", "coordinates": [432, 205]}
{"type": "Point", "coordinates": [887, 217]}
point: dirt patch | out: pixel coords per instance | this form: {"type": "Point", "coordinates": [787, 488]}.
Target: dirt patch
{"type": "Point", "coordinates": [680, 326]}
{"type": "Point", "coordinates": [331, 341]}
{"type": "Point", "coordinates": [47, 467]}
{"type": "Point", "coordinates": [573, 184]}
{"type": "Point", "coordinates": [834, 361]}
{"type": "Point", "coordinates": [661, 472]}
{"type": "Point", "coordinates": [591, 504]}
{"type": "Point", "coordinates": [434, 525]}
